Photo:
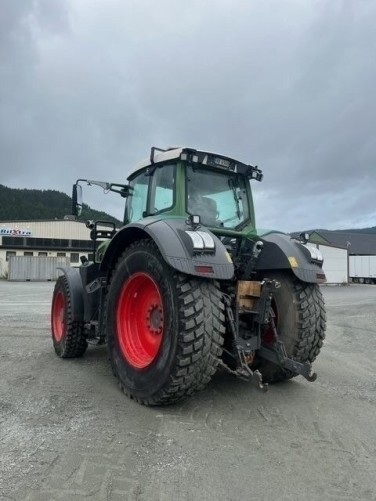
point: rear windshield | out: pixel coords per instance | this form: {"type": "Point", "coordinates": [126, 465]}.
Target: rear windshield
{"type": "Point", "coordinates": [220, 199]}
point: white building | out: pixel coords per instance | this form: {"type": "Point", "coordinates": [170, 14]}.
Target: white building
{"type": "Point", "coordinates": [50, 238]}
{"type": "Point", "coordinates": [71, 239]}
{"type": "Point", "coordinates": [336, 264]}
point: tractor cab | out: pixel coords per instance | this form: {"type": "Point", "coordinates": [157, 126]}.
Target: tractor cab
{"type": "Point", "coordinates": [182, 182]}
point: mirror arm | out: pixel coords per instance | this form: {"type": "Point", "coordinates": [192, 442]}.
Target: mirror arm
{"type": "Point", "coordinates": [123, 189]}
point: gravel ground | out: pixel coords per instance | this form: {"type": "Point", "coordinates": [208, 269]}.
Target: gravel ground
{"type": "Point", "coordinates": [68, 433]}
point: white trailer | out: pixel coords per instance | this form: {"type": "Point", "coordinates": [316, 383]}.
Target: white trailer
{"type": "Point", "coordinates": [362, 269]}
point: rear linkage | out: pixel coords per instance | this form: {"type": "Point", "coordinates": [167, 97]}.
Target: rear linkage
{"type": "Point", "coordinates": [244, 349]}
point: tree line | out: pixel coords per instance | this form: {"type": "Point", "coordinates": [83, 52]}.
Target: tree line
{"type": "Point", "coordinates": [33, 205]}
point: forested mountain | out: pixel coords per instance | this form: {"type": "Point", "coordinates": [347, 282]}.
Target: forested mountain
{"type": "Point", "coordinates": [33, 205]}
{"type": "Point", "coordinates": [371, 231]}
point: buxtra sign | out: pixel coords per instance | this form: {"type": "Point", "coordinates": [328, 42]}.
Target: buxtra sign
{"type": "Point", "coordinates": [15, 232]}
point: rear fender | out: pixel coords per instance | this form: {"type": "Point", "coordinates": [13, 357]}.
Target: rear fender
{"type": "Point", "coordinates": [175, 247]}
{"type": "Point", "coordinates": [76, 292]}
{"type": "Point", "coordinates": [281, 252]}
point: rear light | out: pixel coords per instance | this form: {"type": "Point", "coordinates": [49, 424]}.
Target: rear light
{"type": "Point", "coordinates": [201, 240]}
{"type": "Point", "coordinates": [204, 269]}
{"type": "Point", "coordinates": [321, 276]}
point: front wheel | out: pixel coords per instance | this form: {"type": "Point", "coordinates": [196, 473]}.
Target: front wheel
{"type": "Point", "coordinates": [67, 334]}
{"type": "Point", "coordinates": [164, 329]}
{"type": "Point", "coordinates": [300, 318]}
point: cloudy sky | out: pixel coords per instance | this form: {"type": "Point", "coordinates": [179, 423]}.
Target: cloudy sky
{"type": "Point", "coordinates": [88, 86]}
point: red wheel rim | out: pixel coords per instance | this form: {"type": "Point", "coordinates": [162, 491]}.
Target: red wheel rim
{"type": "Point", "coordinates": [139, 320]}
{"type": "Point", "coordinates": [58, 316]}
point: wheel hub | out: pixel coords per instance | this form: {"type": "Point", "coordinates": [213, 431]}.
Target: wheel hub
{"type": "Point", "coordinates": [155, 319]}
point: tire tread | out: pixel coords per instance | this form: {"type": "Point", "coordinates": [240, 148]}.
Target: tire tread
{"type": "Point", "coordinates": [310, 329]}
{"type": "Point", "coordinates": [200, 335]}
{"type": "Point", "coordinates": [73, 343]}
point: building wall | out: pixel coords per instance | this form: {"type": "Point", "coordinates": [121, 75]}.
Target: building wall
{"type": "Point", "coordinates": [335, 264]}
{"type": "Point", "coordinates": [73, 257]}
{"type": "Point", "coordinates": [21, 231]}
{"type": "Point", "coordinates": [26, 268]}
{"type": "Point", "coordinates": [46, 229]}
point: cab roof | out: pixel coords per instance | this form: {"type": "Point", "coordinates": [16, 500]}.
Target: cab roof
{"type": "Point", "coordinates": [191, 155]}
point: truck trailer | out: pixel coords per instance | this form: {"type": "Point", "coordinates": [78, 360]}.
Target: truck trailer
{"type": "Point", "coordinates": [362, 269]}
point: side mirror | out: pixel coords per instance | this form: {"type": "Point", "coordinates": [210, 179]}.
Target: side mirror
{"type": "Point", "coordinates": [77, 200]}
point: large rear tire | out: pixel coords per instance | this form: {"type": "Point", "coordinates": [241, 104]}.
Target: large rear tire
{"type": "Point", "coordinates": [300, 320]}
{"type": "Point", "coordinates": [164, 329]}
{"type": "Point", "coordinates": [67, 334]}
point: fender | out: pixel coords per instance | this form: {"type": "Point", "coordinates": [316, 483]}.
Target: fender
{"type": "Point", "coordinates": [76, 291]}
{"type": "Point", "coordinates": [175, 246]}
{"type": "Point", "coordinates": [280, 252]}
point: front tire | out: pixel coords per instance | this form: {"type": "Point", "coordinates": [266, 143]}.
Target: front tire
{"type": "Point", "coordinates": [300, 320]}
{"type": "Point", "coordinates": [164, 329]}
{"type": "Point", "coordinates": [67, 334]}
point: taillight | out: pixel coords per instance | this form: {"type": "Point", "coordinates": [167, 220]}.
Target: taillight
{"type": "Point", "coordinates": [204, 269]}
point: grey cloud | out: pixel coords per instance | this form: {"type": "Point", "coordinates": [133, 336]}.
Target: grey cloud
{"type": "Point", "coordinates": [91, 85]}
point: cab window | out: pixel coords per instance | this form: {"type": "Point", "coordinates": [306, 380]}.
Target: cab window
{"type": "Point", "coordinates": [151, 193]}
{"type": "Point", "coordinates": [162, 189]}
{"type": "Point", "coordinates": [220, 198]}
{"type": "Point", "coordinates": [137, 201]}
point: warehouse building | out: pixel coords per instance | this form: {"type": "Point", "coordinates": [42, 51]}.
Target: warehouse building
{"type": "Point", "coordinates": [65, 239]}
{"type": "Point", "coordinates": [349, 256]}
{"type": "Point", "coordinates": [336, 261]}
{"type": "Point", "coordinates": [361, 248]}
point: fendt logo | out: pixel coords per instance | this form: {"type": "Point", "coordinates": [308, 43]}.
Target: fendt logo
{"type": "Point", "coordinates": [15, 232]}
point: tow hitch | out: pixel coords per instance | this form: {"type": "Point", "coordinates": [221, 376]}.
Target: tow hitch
{"type": "Point", "coordinates": [277, 354]}
{"type": "Point", "coordinates": [245, 348]}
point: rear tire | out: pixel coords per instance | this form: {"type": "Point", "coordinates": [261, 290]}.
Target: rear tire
{"type": "Point", "coordinates": [67, 334]}
{"type": "Point", "coordinates": [164, 329]}
{"type": "Point", "coordinates": [300, 322]}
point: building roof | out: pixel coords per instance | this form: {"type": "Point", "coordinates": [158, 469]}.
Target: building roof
{"type": "Point", "coordinates": [356, 243]}
{"type": "Point", "coordinates": [70, 219]}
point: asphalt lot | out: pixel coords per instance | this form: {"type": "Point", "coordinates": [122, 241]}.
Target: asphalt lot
{"type": "Point", "coordinates": [67, 432]}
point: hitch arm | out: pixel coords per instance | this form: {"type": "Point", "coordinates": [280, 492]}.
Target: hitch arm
{"type": "Point", "coordinates": [278, 356]}
{"type": "Point", "coordinates": [243, 371]}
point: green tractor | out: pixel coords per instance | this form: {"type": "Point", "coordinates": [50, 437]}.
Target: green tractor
{"type": "Point", "coordinates": [187, 284]}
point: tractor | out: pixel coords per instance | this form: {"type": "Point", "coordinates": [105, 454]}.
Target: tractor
{"type": "Point", "coordinates": [188, 286]}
